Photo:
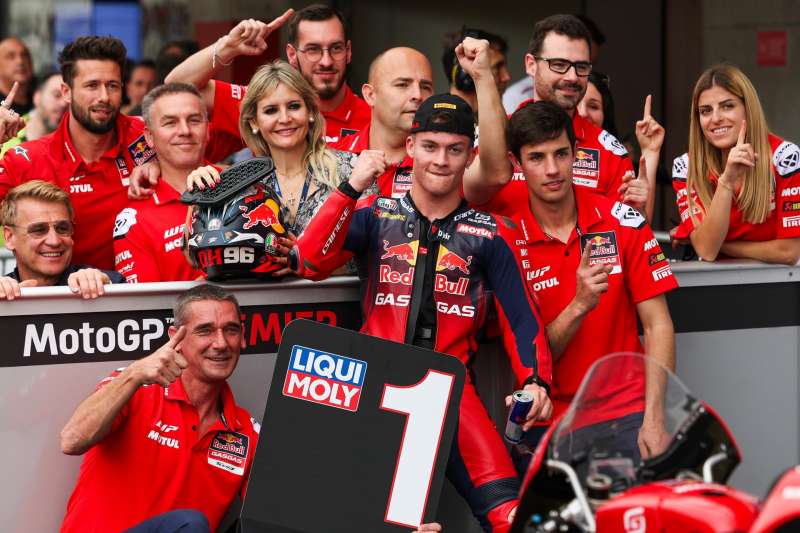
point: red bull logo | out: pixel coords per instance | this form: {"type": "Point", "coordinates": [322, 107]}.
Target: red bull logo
{"type": "Point", "coordinates": [230, 438]}
{"type": "Point", "coordinates": [581, 155]}
{"type": "Point", "coordinates": [265, 214]}
{"type": "Point", "coordinates": [404, 251]}
{"type": "Point", "coordinates": [599, 240]}
{"type": "Point", "coordinates": [452, 261]}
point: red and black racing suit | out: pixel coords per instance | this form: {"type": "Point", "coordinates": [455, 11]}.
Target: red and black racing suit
{"type": "Point", "coordinates": [425, 283]}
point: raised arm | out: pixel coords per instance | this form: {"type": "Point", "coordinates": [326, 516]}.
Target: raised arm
{"type": "Point", "coordinates": [94, 418]}
{"type": "Point", "coordinates": [249, 38]}
{"type": "Point", "coordinates": [491, 169]}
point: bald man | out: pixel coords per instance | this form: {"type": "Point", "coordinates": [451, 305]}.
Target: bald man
{"type": "Point", "coordinates": [16, 66]}
{"type": "Point", "coordinates": [400, 79]}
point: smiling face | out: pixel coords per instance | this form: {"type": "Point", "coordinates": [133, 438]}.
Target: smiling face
{"type": "Point", "coordinates": [326, 73]}
{"type": "Point", "coordinates": [564, 90]}
{"type": "Point", "coordinates": [439, 161]}
{"type": "Point", "coordinates": [547, 167]}
{"type": "Point", "coordinates": [43, 258]}
{"type": "Point", "coordinates": [178, 130]}
{"type": "Point", "coordinates": [214, 340]}
{"type": "Point", "coordinates": [96, 94]}
{"type": "Point", "coordinates": [282, 118]}
{"type": "Point", "coordinates": [720, 114]}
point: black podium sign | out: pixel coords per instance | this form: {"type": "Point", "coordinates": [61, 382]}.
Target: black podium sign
{"type": "Point", "coordinates": [356, 434]}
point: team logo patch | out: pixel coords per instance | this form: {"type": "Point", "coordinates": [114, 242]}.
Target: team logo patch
{"type": "Point", "coordinates": [448, 260]}
{"type": "Point", "coordinates": [325, 378]}
{"type": "Point", "coordinates": [19, 150]}
{"type": "Point", "coordinates": [791, 222]}
{"type": "Point", "coordinates": [472, 230]}
{"type": "Point", "coordinates": [680, 167]}
{"type": "Point", "coordinates": [654, 259]}
{"type": "Point", "coordinates": [140, 152]}
{"type": "Point", "coordinates": [405, 251]}
{"type": "Point", "coordinates": [786, 159]}
{"type": "Point", "coordinates": [586, 167]}
{"type": "Point", "coordinates": [661, 273]}
{"type": "Point", "coordinates": [228, 451]}
{"type": "Point", "coordinates": [386, 203]}
{"type": "Point", "coordinates": [124, 222]}
{"type": "Point", "coordinates": [627, 215]}
{"type": "Point", "coordinates": [611, 143]}
{"type": "Point", "coordinates": [401, 183]}
{"type": "Point", "coordinates": [603, 250]}
{"type": "Point", "coordinates": [791, 206]}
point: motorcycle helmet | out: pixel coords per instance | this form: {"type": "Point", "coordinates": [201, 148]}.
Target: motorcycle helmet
{"type": "Point", "coordinates": [235, 226]}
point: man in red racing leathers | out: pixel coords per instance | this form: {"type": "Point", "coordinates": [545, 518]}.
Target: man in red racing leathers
{"type": "Point", "coordinates": [426, 260]}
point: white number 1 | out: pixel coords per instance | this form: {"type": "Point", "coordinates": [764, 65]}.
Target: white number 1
{"type": "Point", "coordinates": [425, 404]}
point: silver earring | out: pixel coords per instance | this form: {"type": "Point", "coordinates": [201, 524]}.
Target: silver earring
{"type": "Point", "coordinates": [255, 131]}
{"type": "Point", "coordinates": [311, 120]}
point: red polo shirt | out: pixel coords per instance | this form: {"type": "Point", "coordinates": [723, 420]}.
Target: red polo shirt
{"type": "Point", "coordinates": [154, 461]}
{"type": "Point", "coordinates": [600, 163]}
{"type": "Point", "coordinates": [148, 236]}
{"type": "Point", "coordinates": [396, 180]}
{"type": "Point", "coordinates": [352, 115]}
{"type": "Point", "coordinates": [98, 190]}
{"type": "Point", "coordinates": [784, 218]}
{"type": "Point", "coordinates": [620, 237]}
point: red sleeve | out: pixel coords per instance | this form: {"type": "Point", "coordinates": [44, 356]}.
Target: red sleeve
{"type": "Point", "coordinates": [133, 253]}
{"type": "Point", "coordinates": [524, 333]}
{"type": "Point", "coordinates": [320, 248]}
{"type": "Point", "coordinates": [679, 172]}
{"type": "Point", "coordinates": [223, 130]}
{"type": "Point", "coordinates": [645, 267]}
{"type": "Point", "coordinates": [9, 175]}
{"type": "Point", "coordinates": [786, 165]}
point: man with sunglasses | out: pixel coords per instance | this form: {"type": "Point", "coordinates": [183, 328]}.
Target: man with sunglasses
{"type": "Point", "coordinates": [558, 60]}
{"type": "Point", "coordinates": [38, 228]}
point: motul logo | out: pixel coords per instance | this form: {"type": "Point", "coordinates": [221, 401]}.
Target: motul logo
{"type": "Point", "coordinates": [458, 288]}
{"type": "Point", "coordinates": [472, 230]}
{"type": "Point", "coordinates": [387, 275]}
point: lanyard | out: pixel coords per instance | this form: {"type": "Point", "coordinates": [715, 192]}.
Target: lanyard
{"type": "Point", "coordinates": [303, 195]}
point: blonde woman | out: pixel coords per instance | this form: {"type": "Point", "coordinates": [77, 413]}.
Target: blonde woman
{"type": "Point", "coordinates": [280, 118]}
{"type": "Point", "coordinates": [738, 187]}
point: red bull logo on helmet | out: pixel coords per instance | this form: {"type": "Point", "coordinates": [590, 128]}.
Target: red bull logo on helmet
{"type": "Point", "coordinates": [325, 378]}
{"type": "Point", "coordinates": [265, 214]}
{"type": "Point", "coordinates": [448, 260]}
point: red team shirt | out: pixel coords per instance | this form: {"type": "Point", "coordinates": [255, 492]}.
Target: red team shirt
{"type": "Point", "coordinates": [98, 190]}
{"type": "Point", "coordinates": [396, 179]}
{"type": "Point", "coordinates": [154, 461]}
{"type": "Point", "coordinates": [351, 115]}
{"type": "Point", "coordinates": [784, 218]}
{"type": "Point", "coordinates": [601, 161]}
{"type": "Point", "coordinates": [148, 236]}
{"type": "Point", "coordinates": [620, 237]}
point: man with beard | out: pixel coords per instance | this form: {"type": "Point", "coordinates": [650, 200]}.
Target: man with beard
{"type": "Point", "coordinates": [318, 47]}
{"type": "Point", "coordinates": [558, 61]}
{"type": "Point", "coordinates": [148, 233]}
{"type": "Point", "coordinates": [92, 152]}
{"type": "Point", "coordinates": [49, 106]}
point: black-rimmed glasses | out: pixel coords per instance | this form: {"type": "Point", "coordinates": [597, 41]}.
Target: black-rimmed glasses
{"type": "Point", "coordinates": [562, 66]}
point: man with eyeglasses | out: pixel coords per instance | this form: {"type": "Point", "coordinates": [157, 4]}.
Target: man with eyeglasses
{"type": "Point", "coordinates": [318, 47]}
{"type": "Point", "coordinates": [558, 60]}
{"type": "Point", "coordinates": [38, 228]}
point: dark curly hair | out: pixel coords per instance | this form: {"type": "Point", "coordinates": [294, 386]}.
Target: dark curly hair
{"type": "Point", "coordinates": [91, 47]}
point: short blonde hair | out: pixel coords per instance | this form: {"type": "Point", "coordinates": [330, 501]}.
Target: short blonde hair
{"type": "Point", "coordinates": [42, 191]}
{"type": "Point", "coordinates": [264, 82]}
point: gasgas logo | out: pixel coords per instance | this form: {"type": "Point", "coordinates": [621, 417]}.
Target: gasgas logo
{"type": "Point", "coordinates": [325, 378]}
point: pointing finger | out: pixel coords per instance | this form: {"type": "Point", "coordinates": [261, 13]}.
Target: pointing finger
{"type": "Point", "coordinates": [278, 22]}
{"type": "Point", "coordinates": [742, 133]}
{"type": "Point", "coordinates": [585, 254]}
{"type": "Point", "coordinates": [11, 94]}
{"type": "Point", "coordinates": [177, 338]}
{"type": "Point", "coordinates": [647, 106]}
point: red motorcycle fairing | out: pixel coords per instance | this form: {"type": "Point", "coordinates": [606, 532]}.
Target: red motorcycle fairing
{"type": "Point", "coordinates": [678, 507]}
{"type": "Point", "coordinates": [780, 512]}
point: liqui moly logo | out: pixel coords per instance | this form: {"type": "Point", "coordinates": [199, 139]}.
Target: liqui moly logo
{"type": "Point", "coordinates": [325, 378]}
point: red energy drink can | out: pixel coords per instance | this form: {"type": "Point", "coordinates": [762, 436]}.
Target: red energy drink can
{"type": "Point", "coordinates": [521, 403]}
